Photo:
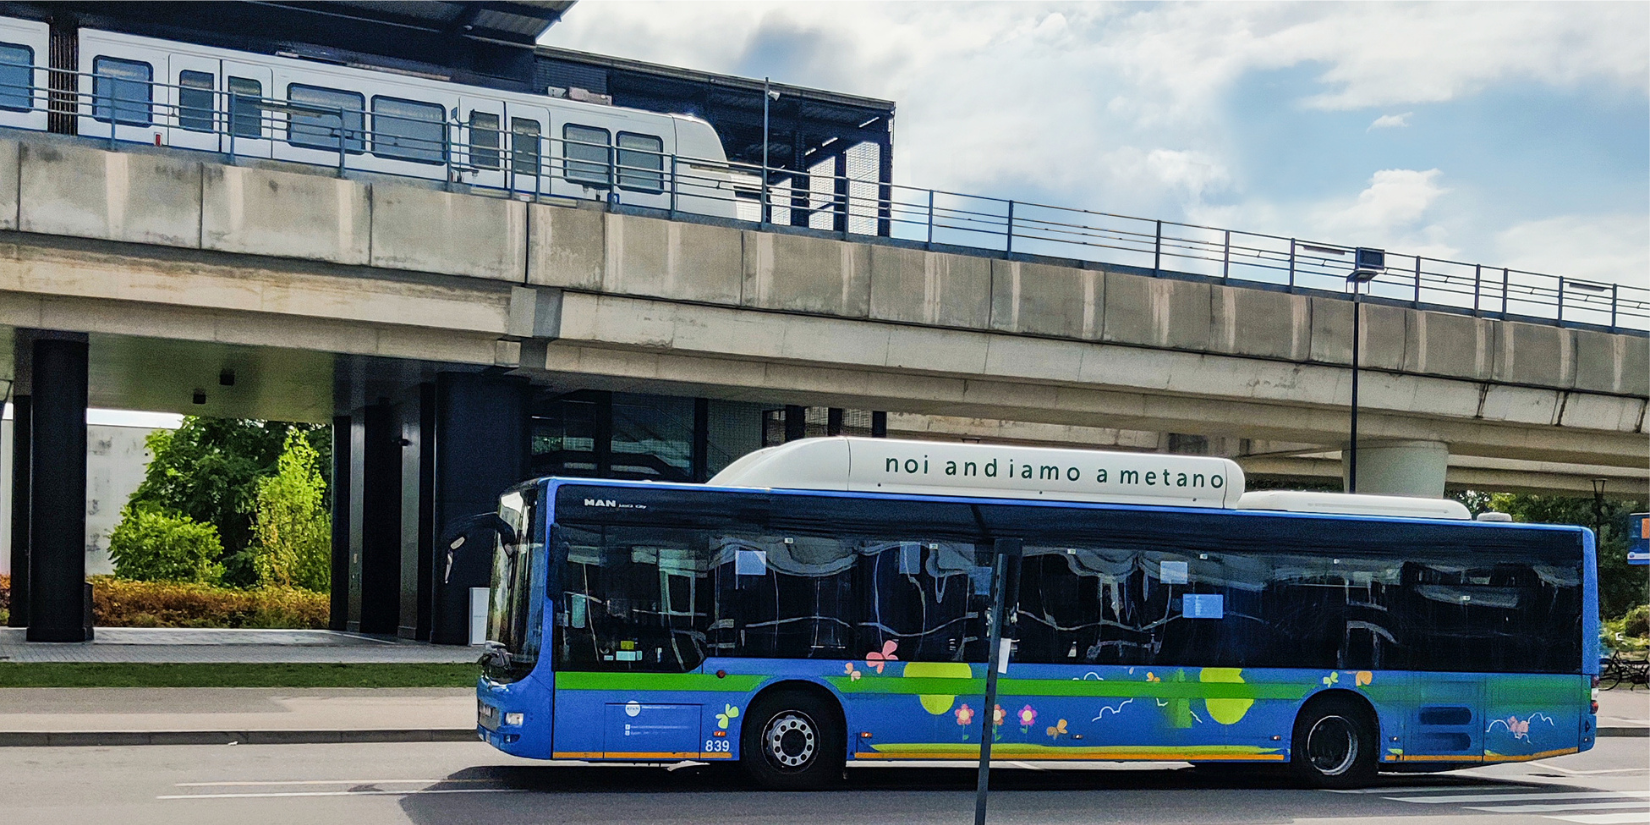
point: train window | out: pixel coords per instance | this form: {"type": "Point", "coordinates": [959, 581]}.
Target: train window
{"type": "Point", "coordinates": [483, 140]}
{"type": "Point", "coordinates": [586, 150]}
{"type": "Point", "coordinates": [641, 162]}
{"type": "Point", "coordinates": [16, 77]}
{"type": "Point", "coordinates": [195, 93]}
{"type": "Point", "coordinates": [123, 91]}
{"type": "Point", "coordinates": [323, 129]}
{"type": "Point", "coordinates": [246, 111]}
{"type": "Point", "coordinates": [524, 145]}
{"type": "Point", "coordinates": [408, 130]}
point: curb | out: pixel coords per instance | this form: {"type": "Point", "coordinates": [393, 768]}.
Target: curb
{"type": "Point", "coordinates": [16, 739]}
{"type": "Point", "coordinates": [1640, 733]}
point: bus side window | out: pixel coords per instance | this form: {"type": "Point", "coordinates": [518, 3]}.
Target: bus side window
{"type": "Point", "coordinates": [634, 598]}
{"type": "Point", "coordinates": [123, 91]}
{"type": "Point", "coordinates": [195, 104]}
{"type": "Point", "coordinates": [16, 77]}
{"type": "Point", "coordinates": [483, 149]}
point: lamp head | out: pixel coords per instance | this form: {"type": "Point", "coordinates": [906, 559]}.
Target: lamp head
{"type": "Point", "coordinates": [1366, 264]}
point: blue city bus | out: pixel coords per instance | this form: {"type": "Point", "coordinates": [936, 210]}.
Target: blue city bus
{"type": "Point", "coordinates": [793, 630]}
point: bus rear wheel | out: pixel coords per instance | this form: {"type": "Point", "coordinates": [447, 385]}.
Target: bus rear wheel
{"type": "Point", "coordinates": [792, 742]}
{"type": "Point", "coordinates": [1334, 744]}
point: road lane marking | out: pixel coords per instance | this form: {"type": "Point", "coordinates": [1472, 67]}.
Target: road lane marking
{"type": "Point", "coordinates": [294, 794]}
{"type": "Point", "coordinates": [1561, 806]}
{"type": "Point", "coordinates": [1606, 819]}
{"type": "Point", "coordinates": [1434, 789]}
{"type": "Point", "coordinates": [1434, 800]}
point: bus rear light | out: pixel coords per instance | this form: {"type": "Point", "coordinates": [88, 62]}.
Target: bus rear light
{"type": "Point", "coordinates": [1595, 707]}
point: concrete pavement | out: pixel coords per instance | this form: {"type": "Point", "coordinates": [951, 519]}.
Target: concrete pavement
{"type": "Point", "coordinates": [215, 645]}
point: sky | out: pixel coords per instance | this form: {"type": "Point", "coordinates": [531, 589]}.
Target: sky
{"type": "Point", "coordinates": [1508, 134]}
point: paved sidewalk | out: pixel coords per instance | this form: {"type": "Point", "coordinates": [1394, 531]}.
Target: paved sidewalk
{"type": "Point", "coordinates": [179, 646]}
{"type": "Point", "coordinates": [1622, 708]}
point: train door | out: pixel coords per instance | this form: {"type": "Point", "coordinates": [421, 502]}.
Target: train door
{"type": "Point", "coordinates": [530, 166]}
{"type": "Point", "coordinates": [478, 142]}
{"type": "Point", "coordinates": [122, 88]}
{"type": "Point", "coordinates": [246, 127]}
{"type": "Point", "coordinates": [188, 105]}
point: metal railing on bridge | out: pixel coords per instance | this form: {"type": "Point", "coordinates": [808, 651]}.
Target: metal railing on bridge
{"type": "Point", "coordinates": [521, 161]}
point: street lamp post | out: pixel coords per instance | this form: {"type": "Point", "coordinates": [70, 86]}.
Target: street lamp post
{"type": "Point", "coordinates": [1366, 264]}
{"type": "Point", "coordinates": [1598, 509]}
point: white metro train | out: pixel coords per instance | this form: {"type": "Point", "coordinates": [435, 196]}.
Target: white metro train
{"type": "Point", "coordinates": [196, 97]}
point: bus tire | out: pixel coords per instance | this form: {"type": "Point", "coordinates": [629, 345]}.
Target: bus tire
{"type": "Point", "coordinates": [792, 741]}
{"type": "Point", "coordinates": [1334, 744]}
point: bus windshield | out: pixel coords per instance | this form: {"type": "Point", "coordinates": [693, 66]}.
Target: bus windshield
{"type": "Point", "coordinates": [513, 616]}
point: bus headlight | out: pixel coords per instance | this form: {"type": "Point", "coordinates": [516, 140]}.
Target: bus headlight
{"type": "Point", "coordinates": [514, 719]}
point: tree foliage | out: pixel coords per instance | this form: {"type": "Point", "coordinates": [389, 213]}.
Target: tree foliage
{"type": "Point", "coordinates": [208, 469]}
{"type": "Point", "coordinates": [151, 545]}
{"type": "Point", "coordinates": [292, 531]}
{"type": "Point", "coordinates": [1620, 585]}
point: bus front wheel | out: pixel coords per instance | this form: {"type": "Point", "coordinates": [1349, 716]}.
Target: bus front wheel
{"type": "Point", "coordinates": [791, 741]}
{"type": "Point", "coordinates": [1334, 744]}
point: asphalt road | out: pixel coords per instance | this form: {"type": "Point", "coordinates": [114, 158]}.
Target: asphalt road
{"type": "Point", "coordinates": [470, 783]}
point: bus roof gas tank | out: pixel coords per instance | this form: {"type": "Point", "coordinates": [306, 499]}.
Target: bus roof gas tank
{"type": "Point", "coordinates": [885, 465]}
{"type": "Point", "coordinates": [1356, 505]}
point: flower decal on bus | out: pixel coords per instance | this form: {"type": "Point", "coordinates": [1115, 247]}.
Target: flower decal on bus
{"type": "Point", "coordinates": [852, 672]}
{"type": "Point", "coordinates": [878, 659]}
{"type": "Point", "coordinates": [1363, 677]}
{"type": "Point", "coordinates": [965, 715]}
{"type": "Point", "coordinates": [1028, 717]}
{"type": "Point", "coordinates": [729, 712]}
{"type": "Point", "coordinates": [1332, 679]}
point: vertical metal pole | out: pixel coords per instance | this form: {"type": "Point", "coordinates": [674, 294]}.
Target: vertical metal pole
{"type": "Point", "coordinates": [1615, 290]}
{"type": "Point", "coordinates": [674, 166]}
{"type": "Point", "coordinates": [1291, 264]}
{"type": "Point", "coordinates": [1417, 281]}
{"type": "Point", "coordinates": [1352, 446]}
{"type": "Point", "coordinates": [1477, 282]}
{"type": "Point", "coordinates": [763, 214]}
{"type": "Point", "coordinates": [1561, 299]}
{"type": "Point", "coordinates": [1505, 281]}
{"type": "Point", "coordinates": [342, 141]}
{"type": "Point", "coordinates": [231, 108]}
{"type": "Point", "coordinates": [930, 219]}
{"type": "Point", "coordinates": [1226, 258]}
{"type": "Point", "coordinates": [1010, 249]}
{"type": "Point", "coordinates": [1005, 586]}
{"type": "Point", "coordinates": [1157, 251]}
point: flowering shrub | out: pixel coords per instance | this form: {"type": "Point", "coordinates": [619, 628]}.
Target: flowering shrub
{"type": "Point", "coordinates": [121, 603]}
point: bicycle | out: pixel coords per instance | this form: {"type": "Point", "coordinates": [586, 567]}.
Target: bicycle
{"type": "Point", "coordinates": [1618, 669]}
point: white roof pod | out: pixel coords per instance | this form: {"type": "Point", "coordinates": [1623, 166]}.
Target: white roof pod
{"type": "Point", "coordinates": [885, 465]}
{"type": "Point", "coordinates": [1294, 501]}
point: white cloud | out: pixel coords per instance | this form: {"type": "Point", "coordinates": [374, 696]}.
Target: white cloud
{"type": "Point", "coordinates": [1391, 122]}
{"type": "Point", "coordinates": [1605, 248]}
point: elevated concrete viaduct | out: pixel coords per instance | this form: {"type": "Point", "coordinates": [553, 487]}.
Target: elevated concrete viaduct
{"type": "Point", "coordinates": [401, 311]}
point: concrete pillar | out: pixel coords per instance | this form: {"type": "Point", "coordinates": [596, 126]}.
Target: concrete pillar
{"type": "Point", "coordinates": [1400, 468]}
{"type": "Point", "coordinates": [57, 491]}
{"type": "Point", "coordinates": [20, 407]}
{"type": "Point", "coordinates": [417, 415]}
{"type": "Point", "coordinates": [481, 444]}
{"type": "Point", "coordinates": [381, 521]}
{"type": "Point", "coordinates": [341, 514]}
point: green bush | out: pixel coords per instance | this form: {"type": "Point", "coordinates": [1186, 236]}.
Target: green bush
{"type": "Point", "coordinates": [151, 545]}
{"type": "Point", "coordinates": [120, 603]}
{"type": "Point", "coordinates": [291, 529]}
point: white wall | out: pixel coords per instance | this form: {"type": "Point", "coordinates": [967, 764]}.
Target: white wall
{"type": "Point", "coordinates": [115, 463]}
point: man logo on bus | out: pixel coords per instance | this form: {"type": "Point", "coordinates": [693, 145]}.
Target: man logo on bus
{"type": "Point", "coordinates": [600, 502]}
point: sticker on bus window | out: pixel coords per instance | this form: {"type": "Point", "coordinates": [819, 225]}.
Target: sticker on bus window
{"type": "Point", "coordinates": [979, 580]}
{"type": "Point", "coordinates": [751, 563]}
{"type": "Point", "coordinates": [1203, 606]}
{"type": "Point", "coordinates": [1172, 572]}
{"type": "Point", "coordinates": [576, 607]}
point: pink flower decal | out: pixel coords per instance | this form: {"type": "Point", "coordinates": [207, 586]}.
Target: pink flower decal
{"type": "Point", "coordinates": [1028, 716]}
{"type": "Point", "coordinates": [1519, 730]}
{"type": "Point", "coordinates": [878, 659]}
{"type": "Point", "coordinates": [998, 715]}
{"type": "Point", "coordinates": [965, 715]}
{"type": "Point", "coordinates": [853, 672]}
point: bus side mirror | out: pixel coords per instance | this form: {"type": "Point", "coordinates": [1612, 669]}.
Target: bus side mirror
{"type": "Point", "coordinates": [458, 534]}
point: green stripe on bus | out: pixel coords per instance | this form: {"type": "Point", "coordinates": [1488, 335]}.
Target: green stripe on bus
{"type": "Point", "coordinates": [706, 682]}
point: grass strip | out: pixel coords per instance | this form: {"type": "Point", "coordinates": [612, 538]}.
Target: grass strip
{"type": "Point", "coordinates": [309, 675]}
